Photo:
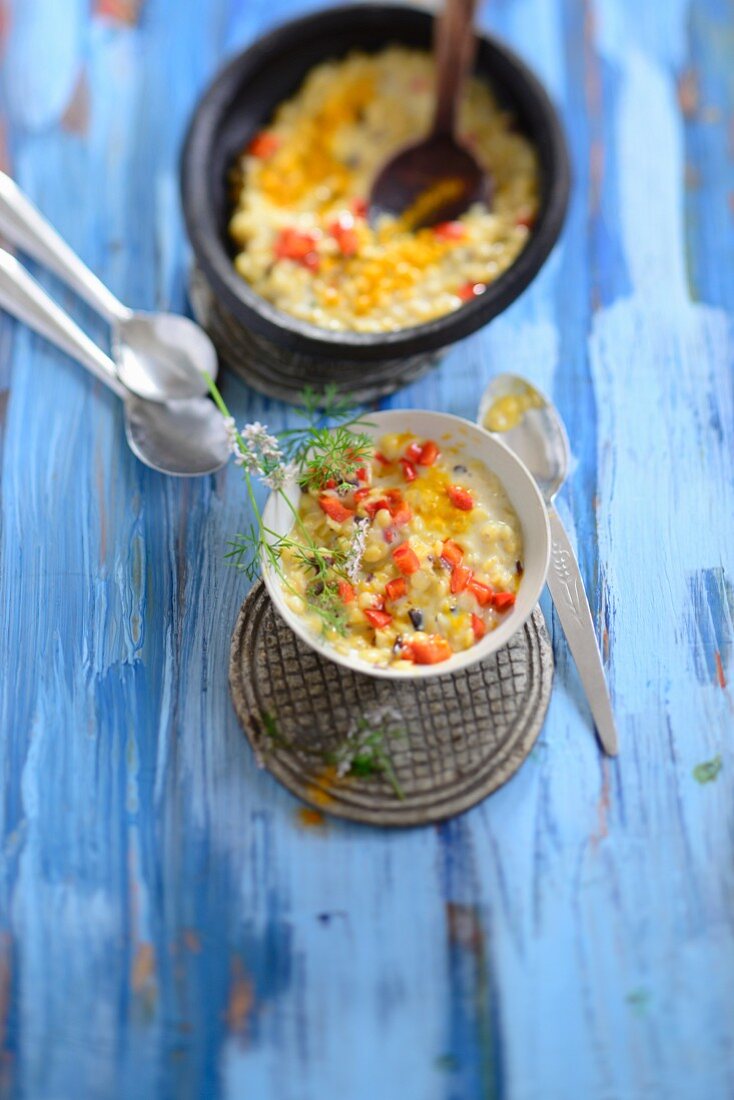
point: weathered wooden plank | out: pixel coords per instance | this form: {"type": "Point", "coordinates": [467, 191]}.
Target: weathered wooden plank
{"type": "Point", "coordinates": [166, 925]}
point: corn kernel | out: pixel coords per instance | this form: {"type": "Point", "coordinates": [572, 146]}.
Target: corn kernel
{"type": "Point", "coordinates": [374, 552]}
{"type": "Point", "coordinates": [420, 581]}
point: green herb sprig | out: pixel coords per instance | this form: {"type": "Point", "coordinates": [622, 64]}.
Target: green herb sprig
{"type": "Point", "coordinates": [329, 448]}
{"type": "Point", "coordinates": [364, 753]}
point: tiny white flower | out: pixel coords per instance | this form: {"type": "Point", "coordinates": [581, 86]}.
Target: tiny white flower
{"type": "Point", "coordinates": [253, 432]}
{"type": "Point", "coordinates": [250, 460]}
{"type": "Point", "coordinates": [270, 447]}
{"type": "Point", "coordinates": [278, 476]}
{"type": "Point", "coordinates": [231, 429]}
{"type": "Point", "coordinates": [258, 436]}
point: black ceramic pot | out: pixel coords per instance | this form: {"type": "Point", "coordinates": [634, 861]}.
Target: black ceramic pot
{"type": "Point", "coordinates": [278, 353]}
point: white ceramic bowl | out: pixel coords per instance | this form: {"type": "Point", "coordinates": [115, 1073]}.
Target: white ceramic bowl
{"type": "Point", "coordinates": [524, 497]}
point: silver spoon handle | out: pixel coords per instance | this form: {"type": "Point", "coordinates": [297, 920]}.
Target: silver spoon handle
{"type": "Point", "coordinates": [23, 298]}
{"type": "Point", "coordinates": [24, 227]}
{"type": "Point", "coordinates": [567, 589]}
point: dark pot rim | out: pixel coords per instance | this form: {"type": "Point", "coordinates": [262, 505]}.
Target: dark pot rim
{"type": "Point", "coordinates": [290, 332]}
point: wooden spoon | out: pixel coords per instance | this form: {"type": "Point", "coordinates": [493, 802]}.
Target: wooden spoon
{"type": "Point", "coordinates": [437, 179]}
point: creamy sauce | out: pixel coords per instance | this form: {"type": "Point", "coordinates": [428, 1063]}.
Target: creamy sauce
{"type": "Point", "coordinates": [440, 554]}
{"type": "Point", "coordinates": [302, 186]}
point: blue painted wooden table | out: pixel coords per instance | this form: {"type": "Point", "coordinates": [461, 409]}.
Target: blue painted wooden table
{"type": "Point", "coordinates": [168, 926]}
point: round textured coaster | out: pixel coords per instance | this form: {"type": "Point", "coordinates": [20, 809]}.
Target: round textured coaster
{"type": "Point", "coordinates": [283, 374]}
{"type": "Point", "coordinates": [382, 751]}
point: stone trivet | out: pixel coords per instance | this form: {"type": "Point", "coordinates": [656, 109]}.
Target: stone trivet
{"type": "Point", "coordinates": [464, 734]}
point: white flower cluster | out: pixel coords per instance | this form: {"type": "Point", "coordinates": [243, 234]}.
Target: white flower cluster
{"type": "Point", "coordinates": [353, 563]}
{"type": "Point", "coordinates": [279, 475]}
{"type": "Point", "coordinates": [259, 453]}
{"type": "Point", "coordinates": [257, 436]}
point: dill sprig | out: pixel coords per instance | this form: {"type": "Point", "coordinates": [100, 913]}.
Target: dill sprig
{"type": "Point", "coordinates": [328, 447]}
{"type": "Point", "coordinates": [334, 455]}
{"type": "Point", "coordinates": [364, 753]}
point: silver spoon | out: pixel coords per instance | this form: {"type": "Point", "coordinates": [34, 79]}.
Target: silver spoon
{"type": "Point", "coordinates": [530, 425]}
{"type": "Point", "coordinates": [159, 356]}
{"type": "Point", "coordinates": [185, 438]}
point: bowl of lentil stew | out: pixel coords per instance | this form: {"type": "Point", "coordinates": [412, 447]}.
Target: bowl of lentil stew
{"type": "Point", "coordinates": [453, 548]}
{"type": "Point", "coordinates": [277, 350]}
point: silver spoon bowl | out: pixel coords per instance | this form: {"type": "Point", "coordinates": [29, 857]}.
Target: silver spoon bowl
{"type": "Point", "coordinates": [530, 425]}
{"type": "Point", "coordinates": [183, 438]}
{"type": "Point", "coordinates": [179, 438]}
{"type": "Point", "coordinates": [162, 356]}
{"type": "Point", "coordinates": [158, 356]}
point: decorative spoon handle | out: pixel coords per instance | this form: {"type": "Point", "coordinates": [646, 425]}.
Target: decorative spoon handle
{"type": "Point", "coordinates": [24, 227]}
{"type": "Point", "coordinates": [567, 589]}
{"type": "Point", "coordinates": [23, 298]}
{"type": "Point", "coordinates": [454, 52]}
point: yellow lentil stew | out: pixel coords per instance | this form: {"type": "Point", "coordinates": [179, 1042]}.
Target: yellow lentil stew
{"type": "Point", "coordinates": [433, 552]}
{"type": "Point", "coordinates": [300, 216]}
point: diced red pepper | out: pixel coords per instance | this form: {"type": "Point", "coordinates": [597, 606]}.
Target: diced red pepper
{"type": "Point", "coordinates": [479, 627]}
{"type": "Point", "coordinates": [399, 510]}
{"type": "Point", "coordinates": [292, 244]}
{"type": "Point", "coordinates": [402, 515]}
{"type": "Point", "coordinates": [482, 593]}
{"type": "Point", "coordinates": [460, 498]}
{"type": "Point", "coordinates": [372, 507]}
{"type": "Point", "coordinates": [396, 589]}
{"type": "Point", "coordinates": [451, 552]}
{"type": "Point", "coordinates": [430, 650]}
{"type": "Point", "coordinates": [360, 494]}
{"type": "Point", "coordinates": [429, 453]}
{"type": "Point", "coordinates": [379, 457]}
{"type": "Point", "coordinates": [343, 232]}
{"type": "Point", "coordinates": [503, 601]}
{"type": "Point", "coordinates": [460, 578]}
{"type": "Point", "coordinates": [471, 290]}
{"type": "Point", "coordinates": [330, 484]}
{"type": "Point", "coordinates": [423, 454]}
{"type": "Point", "coordinates": [360, 207]}
{"type": "Point", "coordinates": [362, 474]}
{"type": "Point", "coordinates": [378, 619]}
{"type": "Point", "coordinates": [348, 242]}
{"type": "Point", "coordinates": [263, 145]}
{"type": "Point", "coordinates": [450, 231]}
{"type": "Point", "coordinates": [406, 559]}
{"type": "Point", "coordinates": [409, 471]}
{"type": "Point", "coordinates": [390, 534]}
{"type": "Point", "coordinates": [334, 509]}
{"type": "Point", "coordinates": [346, 591]}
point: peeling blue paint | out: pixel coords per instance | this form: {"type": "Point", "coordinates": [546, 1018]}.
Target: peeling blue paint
{"type": "Point", "coordinates": [166, 928]}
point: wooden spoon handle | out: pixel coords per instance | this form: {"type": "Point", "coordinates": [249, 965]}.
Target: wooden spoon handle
{"type": "Point", "coordinates": [453, 48]}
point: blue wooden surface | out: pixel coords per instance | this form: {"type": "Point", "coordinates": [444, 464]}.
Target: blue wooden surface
{"type": "Point", "coordinates": [167, 926]}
